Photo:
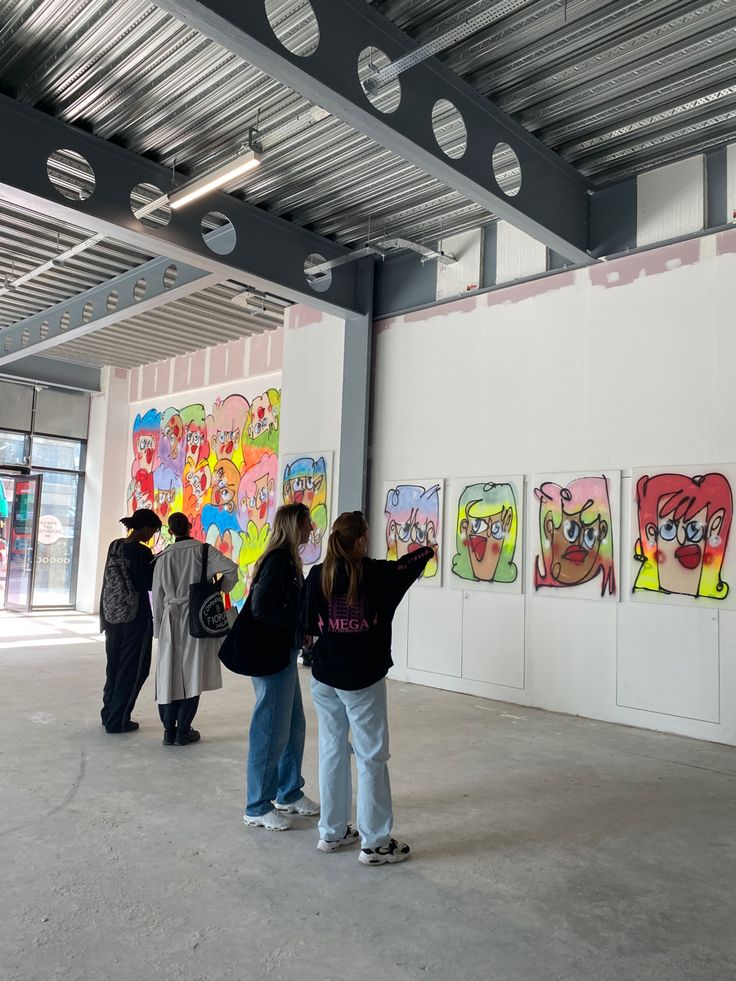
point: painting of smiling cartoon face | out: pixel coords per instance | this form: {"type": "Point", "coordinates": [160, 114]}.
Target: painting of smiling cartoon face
{"type": "Point", "coordinates": [486, 533]}
{"type": "Point", "coordinates": [413, 518]}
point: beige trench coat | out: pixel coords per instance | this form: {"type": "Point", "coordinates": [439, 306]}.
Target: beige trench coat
{"type": "Point", "coordinates": [185, 665]}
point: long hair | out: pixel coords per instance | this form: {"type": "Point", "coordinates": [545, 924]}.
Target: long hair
{"type": "Point", "coordinates": [286, 533]}
{"type": "Point", "coordinates": [346, 531]}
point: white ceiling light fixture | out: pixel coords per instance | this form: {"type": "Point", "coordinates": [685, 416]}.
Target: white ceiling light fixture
{"type": "Point", "coordinates": [247, 160]}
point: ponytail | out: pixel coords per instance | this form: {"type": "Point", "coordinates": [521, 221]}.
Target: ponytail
{"type": "Point", "coordinates": [347, 530]}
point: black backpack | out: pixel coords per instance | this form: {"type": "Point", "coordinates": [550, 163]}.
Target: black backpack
{"type": "Point", "coordinates": [119, 603]}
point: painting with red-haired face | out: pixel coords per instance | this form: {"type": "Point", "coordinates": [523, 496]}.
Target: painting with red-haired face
{"type": "Point", "coordinates": [681, 524]}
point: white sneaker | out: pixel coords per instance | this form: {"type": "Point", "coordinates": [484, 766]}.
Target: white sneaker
{"type": "Point", "coordinates": [271, 821]}
{"type": "Point", "coordinates": [394, 851]}
{"type": "Point", "coordinates": [349, 838]}
{"type": "Point", "coordinates": [303, 806]}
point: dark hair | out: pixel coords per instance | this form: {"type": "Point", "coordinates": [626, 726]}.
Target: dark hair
{"type": "Point", "coordinates": [179, 524]}
{"type": "Point", "coordinates": [346, 531]}
{"type": "Point", "coordinates": [142, 518]}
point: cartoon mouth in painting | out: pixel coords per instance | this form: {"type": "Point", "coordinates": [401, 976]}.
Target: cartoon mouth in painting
{"type": "Point", "coordinates": [688, 556]}
{"type": "Point", "coordinates": [414, 547]}
{"type": "Point", "coordinates": [262, 511]}
{"type": "Point", "coordinates": [163, 510]}
{"type": "Point", "coordinates": [575, 554]}
{"type": "Point", "coordinates": [149, 456]}
{"type": "Point", "coordinates": [478, 545]}
{"type": "Point", "coordinates": [298, 497]}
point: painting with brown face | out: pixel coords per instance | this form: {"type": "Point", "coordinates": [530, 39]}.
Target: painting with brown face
{"type": "Point", "coordinates": [486, 528]}
{"type": "Point", "coordinates": [576, 534]}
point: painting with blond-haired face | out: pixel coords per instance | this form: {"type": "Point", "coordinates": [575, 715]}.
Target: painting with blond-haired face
{"type": "Point", "coordinates": [574, 548]}
{"type": "Point", "coordinates": [485, 535]}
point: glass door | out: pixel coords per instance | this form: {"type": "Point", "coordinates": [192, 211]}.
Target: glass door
{"type": "Point", "coordinates": [7, 483]}
{"type": "Point", "coordinates": [26, 499]}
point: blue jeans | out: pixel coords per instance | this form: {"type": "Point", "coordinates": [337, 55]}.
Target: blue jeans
{"type": "Point", "coordinates": [363, 712]}
{"type": "Point", "coordinates": [276, 742]}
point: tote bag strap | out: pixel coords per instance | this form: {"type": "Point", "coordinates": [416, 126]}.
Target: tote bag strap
{"type": "Point", "coordinates": [205, 562]}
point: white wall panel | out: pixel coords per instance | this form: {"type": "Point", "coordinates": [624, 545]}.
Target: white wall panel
{"type": "Point", "coordinates": [671, 201]}
{"type": "Point", "coordinates": [517, 254]}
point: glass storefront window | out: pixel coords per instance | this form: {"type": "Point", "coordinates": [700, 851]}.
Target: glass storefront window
{"type": "Point", "coordinates": [13, 449]}
{"type": "Point", "coordinates": [58, 527]}
{"type": "Point", "coordinates": [61, 454]}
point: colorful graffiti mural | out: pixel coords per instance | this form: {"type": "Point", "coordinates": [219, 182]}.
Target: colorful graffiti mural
{"type": "Point", "coordinates": [487, 531]}
{"type": "Point", "coordinates": [217, 464]}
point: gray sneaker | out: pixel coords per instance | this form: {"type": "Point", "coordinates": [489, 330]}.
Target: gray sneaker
{"type": "Point", "coordinates": [394, 851]}
{"type": "Point", "coordinates": [271, 821]}
{"type": "Point", "coordinates": [349, 838]}
{"type": "Point", "coordinates": [303, 806]}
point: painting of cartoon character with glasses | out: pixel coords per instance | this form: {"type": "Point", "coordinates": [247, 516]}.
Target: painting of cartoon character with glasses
{"type": "Point", "coordinates": [486, 533]}
{"type": "Point", "coordinates": [575, 535]}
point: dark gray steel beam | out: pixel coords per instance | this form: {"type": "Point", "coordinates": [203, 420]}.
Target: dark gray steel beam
{"type": "Point", "coordinates": [54, 373]}
{"type": "Point", "coordinates": [552, 204]}
{"type": "Point", "coordinates": [269, 252]}
{"type": "Point", "coordinates": [139, 290]}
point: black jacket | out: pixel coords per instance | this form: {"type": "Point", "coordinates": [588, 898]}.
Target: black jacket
{"type": "Point", "coordinates": [277, 592]}
{"type": "Point", "coordinates": [353, 647]}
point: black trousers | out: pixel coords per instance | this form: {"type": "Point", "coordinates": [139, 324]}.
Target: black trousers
{"type": "Point", "coordinates": [128, 649]}
{"type": "Point", "coordinates": [179, 714]}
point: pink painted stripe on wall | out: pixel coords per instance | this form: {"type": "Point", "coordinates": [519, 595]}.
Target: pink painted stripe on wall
{"type": "Point", "coordinates": [163, 378]}
{"type": "Point", "coordinates": [218, 364]}
{"type": "Point", "coordinates": [181, 372]}
{"type": "Point", "coordinates": [135, 376]}
{"type": "Point", "coordinates": [298, 316]}
{"type": "Point", "coordinates": [148, 386]}
{"type": "Point", "coordinates": [196, 369]}
{"type": "Point", "coordinates": [236, 359]}
{"type": "Point", "coordinates": [258, 354]}
{"type": "Point", "coordinates": [276, 355]}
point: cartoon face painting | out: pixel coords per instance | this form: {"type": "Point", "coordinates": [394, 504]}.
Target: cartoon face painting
{"type": "Point", "coordinates": [225, 480]}
{"type": "Point", "coordinates": [486, 533]}
{"type": "Point", "coordinates": [172, 440]}
{"type": "Point", "coordinates": [576, 538]}
{"type": "Point", "coordinates": [257, 494]}
{"type": "Point", "coordinates": [141, 491]}
{"type": "Point", "coordinates": [145, 441]}
{"type": "Point", "coordinates": [304, 481]}
{"type": "Point", "coordinates": [167, 486]}
{"type": "Point", "coordinates": [684, 526]}
{"type": "Point", "coordinates": [263, 416]}
{"type": "Point", "coordinates": [412, 521]}
{"type": "Point", "coordinates": [225, 426]}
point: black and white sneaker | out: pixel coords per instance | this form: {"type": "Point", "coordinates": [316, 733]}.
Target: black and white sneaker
{"type": "Point", "coordinates": [394, 851]}
{"type": "Point", "coordinates": [350, 837]}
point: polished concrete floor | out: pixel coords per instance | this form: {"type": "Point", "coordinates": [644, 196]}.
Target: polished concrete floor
{"type": "Point", "coordinates": [546, 848]}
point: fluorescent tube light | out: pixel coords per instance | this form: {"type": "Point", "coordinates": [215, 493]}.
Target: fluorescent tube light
{"type": "Point", "coordinates": [208, 183]}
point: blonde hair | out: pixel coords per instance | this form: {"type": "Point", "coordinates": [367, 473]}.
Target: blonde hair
{"type": "Point", "coordinates": [347, 530]}
{"type": "Point", "coordinates": [286, 533]}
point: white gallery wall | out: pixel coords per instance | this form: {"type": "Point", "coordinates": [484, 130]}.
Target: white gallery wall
{"type": "Point", "coordinates": [621, 365]}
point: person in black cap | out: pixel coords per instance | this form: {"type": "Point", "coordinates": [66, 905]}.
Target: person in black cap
{"type": "Point", "coordinates": [125, 617]}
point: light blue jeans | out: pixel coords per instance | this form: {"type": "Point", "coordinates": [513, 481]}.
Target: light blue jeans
{"type": "Point", "coordinates": [364, 713]}
{"type": "Point", "coordinates": [276, 741]}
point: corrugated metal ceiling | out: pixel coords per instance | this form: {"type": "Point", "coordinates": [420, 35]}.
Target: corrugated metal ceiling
{"type": "Point", "coordinates": [614, 86]}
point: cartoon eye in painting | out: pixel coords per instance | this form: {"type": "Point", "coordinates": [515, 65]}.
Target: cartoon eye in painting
{"type": "Point", "coordinates": [575, 535]}
{"type": "Point", "coordinates": [684, 525]}
{"type": "Point", "coordinates": [412, 514]}
{"type": "Point", "coordinates": [486, 528]}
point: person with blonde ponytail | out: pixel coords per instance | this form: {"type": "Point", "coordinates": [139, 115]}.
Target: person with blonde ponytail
{"type": "Point", "coordinates": [349, 603]}
{"type": "Point", "coordinates": [277, 729]}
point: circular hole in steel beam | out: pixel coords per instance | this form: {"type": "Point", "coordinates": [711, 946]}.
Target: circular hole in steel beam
{"type": "Point", "coordinates": [65, 321]}
{"type": "Point", "coordinates": [71, 175]}
{"type": "Point", "coordinates": [218, 233]}
{"type": "Point", "coordinates": [449, 129]}
{"type": "Point", "coordinates": [295, 25]}
{"type": "Point", "coordinates": [507, 169]}
{"type": "Point", "coordinates": [385, 96]}
{"type": "Point", "coordinates": [111, 304]}
{"type": "Point", "coordinates": [142, 199]}
{"type": "Point", "coordinates": [25, 337]}
{"type": "Point", "coordinates": [320, 282]}
{"type": "Point", "coordinates": [170, 274]}
{"type": "Point", "coordinates": [87, 312]}
{"type": "Point", "coordinates": [139, 290]}
{"type": "Point", "coordinates": [8, 345]}
{"type": "Point", "coordinates": [43, 331]}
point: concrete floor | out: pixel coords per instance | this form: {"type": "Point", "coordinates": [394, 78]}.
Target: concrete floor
{"type": "Point", "coordinates": [545, 847]}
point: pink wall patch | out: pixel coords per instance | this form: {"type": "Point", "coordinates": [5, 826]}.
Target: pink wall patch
{"type": "Point", "coordinates": [148, 384]}
{"type": "Point", "coordinates": [181, 372]}
{"type": "Point", "coordinates": [535, 287]}
{"type": "Point", "coordinates": [299, 316]}
{"type": "Point", "coordinates": [121, 373]}
{"type": "Point", "coordinates": [135, 376]}
{"type": "Point", "coordinates": [726, 242]}
{"type": "Point", "coordinates": [218, 364]}
{"type": "Point", "coordinates": [276, 356]}
{"type": "Point", "coordinates": [236, 359]}
{"type": "Point", "coordinates": [163, 378]}
{"type": "Point", "coordinates": [196, 369]}
{"type": "Point", "coordinates": [258, 363]}
{"type": "Point", "coordinates": [624, 271]}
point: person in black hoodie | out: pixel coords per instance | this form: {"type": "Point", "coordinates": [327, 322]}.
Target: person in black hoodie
{"type": "Point", "coordinates": [349, 603]}
{"type": "Point", "coordinates": [277, 729]}
{"type": "Point", "coordinates": [125, 618]}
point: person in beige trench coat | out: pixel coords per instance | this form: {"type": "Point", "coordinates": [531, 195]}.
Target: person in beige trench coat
{"type": "Point", "coordinates": [185, 665]}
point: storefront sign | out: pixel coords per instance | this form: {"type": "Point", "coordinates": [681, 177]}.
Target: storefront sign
{"type": "Point", "coordinates": [49, 529]}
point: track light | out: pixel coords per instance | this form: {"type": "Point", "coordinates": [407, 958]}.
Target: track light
{"type": "Point", "coordinates": [244, 162]}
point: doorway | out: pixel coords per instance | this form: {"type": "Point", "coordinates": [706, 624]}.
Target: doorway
{"type": "Point", "coordinates": [19, 503]}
